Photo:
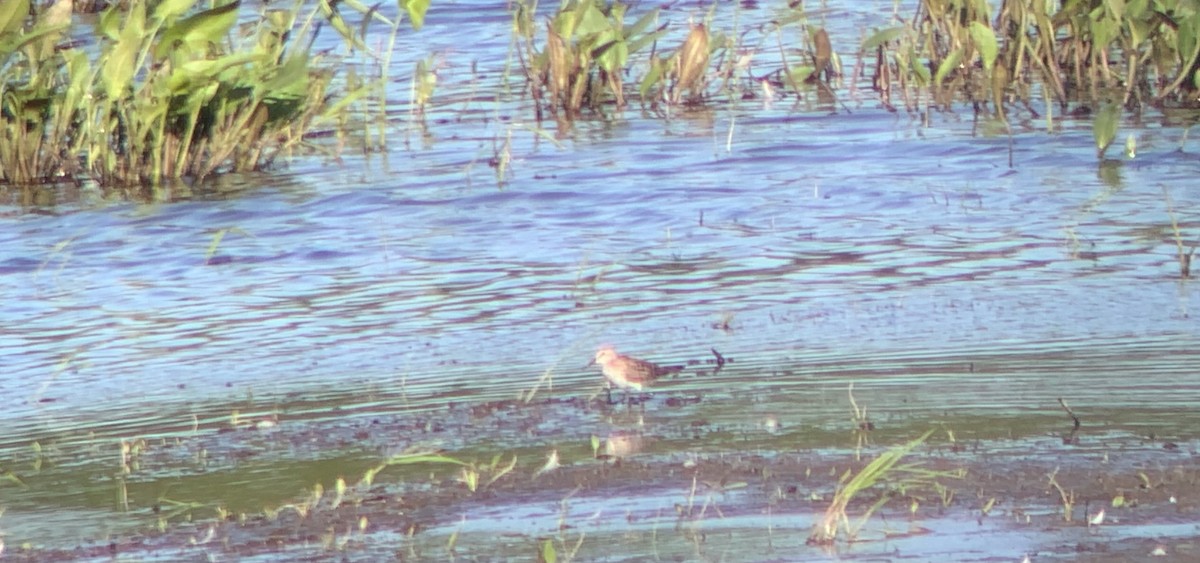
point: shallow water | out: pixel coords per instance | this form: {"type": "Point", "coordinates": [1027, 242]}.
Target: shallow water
{"type": "Point", "coordinates": [840, 244]}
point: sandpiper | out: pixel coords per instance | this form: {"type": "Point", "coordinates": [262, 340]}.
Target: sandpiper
{"type": "Point", "coordinates": [628, 373]}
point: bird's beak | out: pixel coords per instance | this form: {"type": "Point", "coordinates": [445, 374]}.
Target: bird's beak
{"type": "Point", "coordinates": [590, 364]}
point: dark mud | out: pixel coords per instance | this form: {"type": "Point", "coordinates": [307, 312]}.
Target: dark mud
{"type": "Point", "coordinates": [648, 481]}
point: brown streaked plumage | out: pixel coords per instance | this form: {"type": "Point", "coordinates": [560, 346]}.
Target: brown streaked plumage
{"type": "Point", "coordinates": [627, 372]}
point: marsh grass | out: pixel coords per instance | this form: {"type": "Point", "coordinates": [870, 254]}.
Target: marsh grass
{"type": "Point", "coordinates": [167, 91]}
{"type": "Point", "coordinates": [885, 468]}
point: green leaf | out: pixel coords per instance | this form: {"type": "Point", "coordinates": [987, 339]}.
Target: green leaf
{"type": "Point", "coordinates": [110, 23]}
{"type": "Point", "coordinates": [1116, 8]}
{"type": "Point", "coordinates": [639, 26]}
{"type": "Point", "coordinates": [611, 56]}
{"type": "Point", "coordinates": [948, 65]}
{"type": "Point", "coordinates": [985, 41]}
{"type": "Point", "coordinates": [593, 21]}
{"type": "Point", "coordinates": [883, 36]}
{"type": "Point", "coordinates": [1104, 32]}
{"type": "Point", "coordinates": [636, 45]}
{"type": "Point", "coordinates": [198, 31]}
{"type": "Point", "coordinates": [291, 79]}
{"type": "Point", "coordinates": [15, 41]}
{"type": "Point", "coordinates": [549, 554]}
{"type": "Point", "coordinates": [1104, 129]}
{"type": "Point", "coordinates": [168, 10]}
{"type": "Point", "coordinates": [416, 11]}
{"type": "Point", "coordinates": [421, 457]}
{"type": "Point", "coordinates": [119, 63]}
{"type": "Point", "coordinates": [920, 70]}
{"type": "Point", "coordinates": [799, 74]}
{"type": "Point", "coordinates": [202, 72]}
{"type": "Point", "coordinates": [653, 77]}
{"type": "Point", "coordinates": [12, 15]}
{"type": "Point", "coordinates": [1185, 40]}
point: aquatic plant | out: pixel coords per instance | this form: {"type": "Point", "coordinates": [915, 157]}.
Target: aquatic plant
{"type": "Point", "coordinates": [1182, 254]}
{"type": "Point", "coordinates": [1066, 497]}
{"type": "Point", "coordinates": [883, 468]}
{"type": "Point", "coordinates": [1142, 50]}
{"type": "Point", "coordinates": [167, 91]}
{"type": "Point", "coordinates": [586, 50]}
{"type": "Point", "coordinates": [471, 473]}
{"type": "Point", "coordinates": [683, 71]}
{"type": "Point", "coordinates": [1105, 54]}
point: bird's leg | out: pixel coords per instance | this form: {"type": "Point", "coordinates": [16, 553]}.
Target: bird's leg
{"type": "Point", "coordinates": [608, 390]}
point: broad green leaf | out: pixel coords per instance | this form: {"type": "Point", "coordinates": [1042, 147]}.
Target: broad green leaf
{"type": "Point", "coordinates": [191, 73]}
{"type": "Point", "coordinates": [639, 26]}
{"type": "Point", "coordinates": [15, 41]}
{"type": "Point", "coordinates": [653, 78]}
{"type": "Point", "coordinates": [12, 15]}
{"type": "Point", "coordinates": [1104, 31]}
{"type": "Point", "coordinates": [79, 72]}
{"type": "Point", "coordinates": [203, 72]}
{"type": "Point", "coordinates": [564, 24]}
{"type": "Point", "coordinates": [54, 19]}
{"type": "Point", "coordinates": [640, 42]}
{"type": "Point", "coordinates": [611, 55]}
{"type": "Point", "coordinates": [1188, 35]}
{"type": "Point", "coordinates": [198, 31]}
{"type": "Point", "coordinates": [920, 69]}
{"type": "Point", "coordinates": [416, 11]}
{"type": "Point", "coordinates": [168, 10]}
{"type": "Point", "coordinates": [291, 79]}
{"type": "Point", "coordinates": [593, 21]}
{"type": "Point", "coordinates": [801, 73]}
{"type": "Point", "coordinates": [985, 41]}
{"type": "Point", "coordinates": [883, 36]}
{"type": "Point", "coordinates": [616, 12]}
{"type": "Point", "coordinates": [196, 99]}
{"type": "Point", "coordinates": [1138, 9]}
{"type": "Point", "coordinates": [1104, 129]}
{"type": "Point", "coordinates": [119, 64]}
{"type": "Point", "coordinates": [948, 65]}
{"type": "Point", "coordinates": [549, 554]}
{"type": "Point", "coordinates": [110, 23]}
{"type": "Point", "coordinates": [1116, 8]}
{"type": "Point", "coordinates": [56, 14]}
{"type": "Point", "coordinates": [1138, 30]}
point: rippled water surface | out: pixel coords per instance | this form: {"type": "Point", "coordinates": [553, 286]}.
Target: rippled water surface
{"type": "Point", "coordinates": [816, 244]}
